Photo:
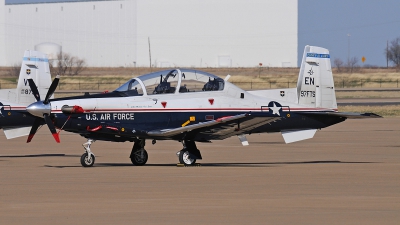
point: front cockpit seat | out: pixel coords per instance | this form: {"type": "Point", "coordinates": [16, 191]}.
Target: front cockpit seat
{"type": "Point", "coordinates": [133, 92]}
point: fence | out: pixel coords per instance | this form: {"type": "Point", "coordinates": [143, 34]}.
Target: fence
{"type": "Point", "coordinates": [244, 85]}
{"type": "Point", "coordinates": [361, 83]}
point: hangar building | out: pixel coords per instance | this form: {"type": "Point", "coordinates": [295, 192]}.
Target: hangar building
{"type": "Point", "coordinates": [174, 33]}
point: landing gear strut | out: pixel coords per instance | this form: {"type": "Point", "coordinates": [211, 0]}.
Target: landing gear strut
{"type": "Point", "coordinates": [139, 155]}
{"type": "Point", "coordinates": [87, 159]}
{"type": "Point", "coordinates": [189, 153]}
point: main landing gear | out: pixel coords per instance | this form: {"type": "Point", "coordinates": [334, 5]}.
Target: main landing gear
{"type": "Point", "coordinates": [139, 155]}
{"type": "Point", "coordinates": [87, 159]}
{"type": "Point", "coordinates": [188, 155]}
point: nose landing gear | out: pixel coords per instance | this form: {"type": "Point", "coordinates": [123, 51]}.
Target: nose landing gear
{"type": "Point", "coordinates": [88, 158]}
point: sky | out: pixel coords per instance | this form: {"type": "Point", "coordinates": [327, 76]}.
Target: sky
{"type": "Point", "coordinates": [369, 24]}
{"type": "Point", "coordinates": [348, 28]}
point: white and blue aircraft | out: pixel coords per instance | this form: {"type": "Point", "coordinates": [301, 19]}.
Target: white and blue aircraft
{"type": "Point", "coordinates": [35, 66]}
{"type": "Point", "coordinates": [192, 106]}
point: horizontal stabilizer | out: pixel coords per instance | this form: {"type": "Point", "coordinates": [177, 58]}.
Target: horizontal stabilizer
{"type": "Point", "coordinates": [16, 132]}
{"type": "Point", "coordinates": [349, 115]}
{"type": "Point", "coordinates": [297, 135]}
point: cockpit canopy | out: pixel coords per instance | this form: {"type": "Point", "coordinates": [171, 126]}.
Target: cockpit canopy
{"type": "Point", "coordinates": [172, 82]}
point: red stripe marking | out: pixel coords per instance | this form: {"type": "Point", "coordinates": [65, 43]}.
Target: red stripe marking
{"type": "Point", "coordinates": [94, 129]}
{"type": "Point", "coordinates": [112, 128]}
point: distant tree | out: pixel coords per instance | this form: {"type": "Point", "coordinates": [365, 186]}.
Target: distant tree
{"type": "Point", "coordinates": [14, 70]}
{"type": "Point", "coordinates": [352, 65]}
{"type": "Point", "coordinates": [65, 64]}
{"type": "Point", "coordinates": [371, 66]}
{"type": "Point", "coordinates": [338, 64]}
{"type": "Point", "coordinates": [393, 52]}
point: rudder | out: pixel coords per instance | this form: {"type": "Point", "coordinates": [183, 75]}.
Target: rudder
{"type": "Point", "coordinates": [35, 65]}
{"type": "Point", "coordinates": [315, 85]}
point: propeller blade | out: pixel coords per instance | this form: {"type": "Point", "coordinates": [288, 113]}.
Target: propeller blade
{"type": "Point", "coordinates": [51, 127]}
{"type": "Point", "coordinates": [34, 89]}
{"type": "Point", "coordinates": [52, 89]}
{"type": "Point", "coordinates": [35, 126]}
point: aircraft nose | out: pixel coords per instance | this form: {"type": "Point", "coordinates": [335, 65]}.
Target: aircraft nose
{"type": "Point", "coordinates": [39, 108]}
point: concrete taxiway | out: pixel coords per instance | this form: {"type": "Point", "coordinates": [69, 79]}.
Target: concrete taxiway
{"type": "Point", "coordinates": [347, 174]}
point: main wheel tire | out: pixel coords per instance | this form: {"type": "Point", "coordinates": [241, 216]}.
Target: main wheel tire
{"type": "Point", "coordinates": [184, 158]}
{"type": "Point", "coordinates": [139, 157]}
{"type": "Point", "coordinates": [85, 161]}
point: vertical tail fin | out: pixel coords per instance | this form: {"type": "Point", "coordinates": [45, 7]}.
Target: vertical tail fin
{"type": "Point", "coordinates": [35, 65]}
{"type": "Point", "coordinates": [315, 85]}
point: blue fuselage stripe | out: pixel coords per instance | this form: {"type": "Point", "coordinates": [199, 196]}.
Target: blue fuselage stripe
{"type": "Point", "coordinates": [316, 55]}
{"type": "Point", "coordinates": [35, 59]}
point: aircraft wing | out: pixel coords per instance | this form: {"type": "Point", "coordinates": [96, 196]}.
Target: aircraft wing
{"type": "Point", "coordinates": [349, 115]}
{"type": "Point", "coordinates": [232, 128]}
{"type": "Point", "coordinates": [174, 131]}
{"type": "Point", "coordinates": [220, 128]}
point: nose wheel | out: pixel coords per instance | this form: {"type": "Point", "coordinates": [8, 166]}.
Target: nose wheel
{"type": "Point", "coordinates": [88, 158]}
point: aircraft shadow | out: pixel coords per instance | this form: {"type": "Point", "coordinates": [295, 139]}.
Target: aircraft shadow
{"type": "Point", "coordinates": [268, 142]}
{"type": "Point", "coordinates": [113, 165]}
{"type": "Point", "coordinates": [38, 155]}
{"type": "Point", "coordinates": [95, 165]}
{"type": "Point", "coordinates": [269, 164]}
{"type": "Point", "coordinates": [259, 164]}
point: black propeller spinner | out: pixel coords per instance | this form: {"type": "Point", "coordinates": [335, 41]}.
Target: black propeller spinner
{"type": "Point", "coordinates": [42, 109]}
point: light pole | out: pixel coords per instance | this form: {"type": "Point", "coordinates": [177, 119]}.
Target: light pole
{"type": "Point", "coordinates": [348, 48]}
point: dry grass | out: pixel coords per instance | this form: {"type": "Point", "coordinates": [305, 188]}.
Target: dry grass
{"type": "Point", "coordinates": [370, 75]}
{"type": "Point", "coordinates": [280, 76]}
{"type": "Point", "coordinates": [367, 94]}
{"type": "Point", "coordinates": [106, 82]}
